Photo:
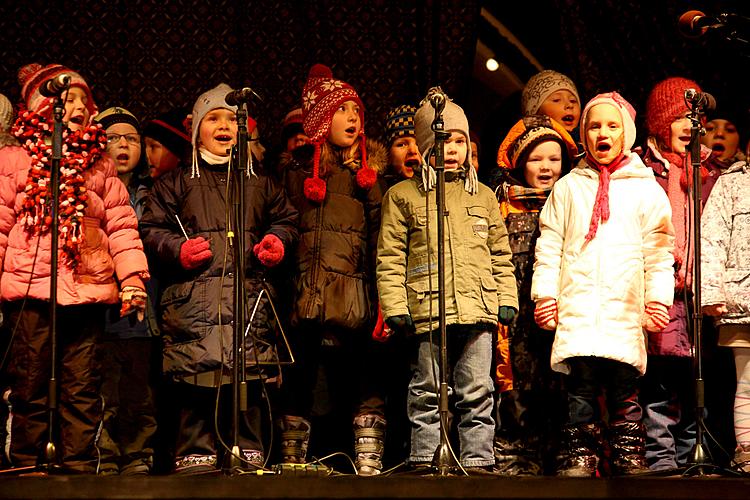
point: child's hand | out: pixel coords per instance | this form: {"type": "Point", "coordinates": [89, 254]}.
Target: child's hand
{"type": "Point", "coordinates": [656, 317]}
{"type": "Point", "coordinates": [270, 250]}
{"type": "Point", "coordinates": [133, 301]}
{"type": "Point", "coordinates": [545, 314]}
{"type": "Point", "coordinates": [401, 324]}
{"type": "Point", "coordinates": [506, 314]}
{"type": "Point", "coordinates": [715, 309]}
{"type": "Point", "coordinates": [194, 253]}
{"type": "Point", "coordinates": [381, 332]}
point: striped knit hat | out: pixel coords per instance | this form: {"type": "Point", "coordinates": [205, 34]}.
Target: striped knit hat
{"type": "Point", "coordinates": [32, 76]}
{"type": "Point", "coordinates": [399, 123]}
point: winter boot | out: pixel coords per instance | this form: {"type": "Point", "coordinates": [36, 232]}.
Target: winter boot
{"type": "Point", "coordinates": [742, 457]}
{"type": "Point", "coordinates": [627, 441]}
{"type": "Point", "coordinates": [369, 440]}
{"type": "Point", "coordinates": [295, 435]}
{"type": "Point", "coordinates": [581, 447]}
{"type": "Point", "coordinates": [515, 458]}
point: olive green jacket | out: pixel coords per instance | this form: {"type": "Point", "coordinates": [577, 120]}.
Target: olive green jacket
{"type": "Point", "coordinates": [478, 270]}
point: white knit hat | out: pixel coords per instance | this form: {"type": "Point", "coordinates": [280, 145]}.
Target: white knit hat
{"type": "Point", "coordinates": [541, 86]}
{"type": "Point", "coordinates": [6, 114]}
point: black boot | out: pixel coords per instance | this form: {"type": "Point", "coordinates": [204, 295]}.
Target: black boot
{"type": "Point", "coordinates": [369, 439]}
{"type": "Point", "coordinates": [580, 450]}
{"type": "Point", "coordinates": [627, 440]}
{"type": "Point", "coordinates": [514, 458]}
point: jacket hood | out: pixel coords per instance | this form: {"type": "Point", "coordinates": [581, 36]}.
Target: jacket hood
{"type": "Point", "coordinates": [633, 168]}
{"type": "Point", "coordinates": [738, 166]}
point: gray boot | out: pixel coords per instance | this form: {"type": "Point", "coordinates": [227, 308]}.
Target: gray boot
{"type": "Point", "coordinates": [295, 435]}
{"type": "Point", "coordinates": [369, 441]}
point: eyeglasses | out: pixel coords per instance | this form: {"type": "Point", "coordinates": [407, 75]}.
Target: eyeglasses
{"type": "Point", "coordinates": [131, 138]}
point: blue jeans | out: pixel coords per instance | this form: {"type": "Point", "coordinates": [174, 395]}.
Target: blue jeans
{"type": "Point", "coordinates": [470, 352]}
{"type": "Point", "coordinates": [669, 404]}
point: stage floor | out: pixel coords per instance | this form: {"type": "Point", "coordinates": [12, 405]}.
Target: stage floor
{"type": "Point", "coordinates": [351, 487]}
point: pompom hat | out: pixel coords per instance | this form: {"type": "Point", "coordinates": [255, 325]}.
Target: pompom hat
{"type": "Point", "coordinates": [321, 97]}
{"type": "Point", "coordinates": [665, 103]}
{"type": "Point", "coordinates": [32, 76]}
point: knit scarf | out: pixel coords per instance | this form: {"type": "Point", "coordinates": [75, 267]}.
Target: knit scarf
{"type": "Point", "coordinates": [526, 199]}
{"type": "Point", "coordinates": [601, 202]}
{"type": "Point", "coordinates": [80, 151]}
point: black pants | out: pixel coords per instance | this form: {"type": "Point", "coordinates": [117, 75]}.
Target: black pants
{"type": "Point", "coordinates": [79, 329]}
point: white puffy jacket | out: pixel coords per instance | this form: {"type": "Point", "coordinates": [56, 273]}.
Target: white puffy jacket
{"type": "Point", "coordinates": [601, 286]}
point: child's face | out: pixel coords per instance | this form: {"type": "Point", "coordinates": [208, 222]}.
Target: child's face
{"type": "Point", "coordinates": [404, 156]}
{"type": "Point", "coordinates": [296, 141]}
{"type": "Point", "coordinates": [76, 113]}
{"type": "Point", "coordinates": [679, 134]}
{"type": "Point", "coordinates": [218, 131]}
{"type": "Point", "coordinates": [455, 150]}
{"type": "Point", "coordinates": [474, 156]}
{"type": "Point", "coordinates": [160, 159]}
{"type": "Point", "coordinates": [544, 165]}
{"type": "Point", "coordinates": [563, 107]}
{"type": "Point", "coordinates": [124, 146]}
{"type": "Point", "coordinates": [605, 134]}
{"type": "Point", "coordinates": [345, 125]}
{"type": "Point", "coordinates": [722, 137]}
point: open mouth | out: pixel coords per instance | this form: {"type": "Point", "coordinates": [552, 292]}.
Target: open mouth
{"type": "Point", "coordinates": [685, 138]}
{"type": "Point", "coordinates": [412, 163]}
{"type": "Point", "coordinates": [223, 138]}
{"type": "Point", "coordinates": [718, 148]}
{"type": "Point", "coordinates": [351, 130]}
{"type": "Point", "coordinates": [603, 147]}
{"type": "Point", "coordinates": [568, 119]}
{"type": "Point", "coordinates": [78, 119]}
{"type": "Point", "coordinates": [123, 157]}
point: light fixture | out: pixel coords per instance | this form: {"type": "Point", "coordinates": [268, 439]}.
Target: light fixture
{"type": "Point", "coordinates": [492, 64]}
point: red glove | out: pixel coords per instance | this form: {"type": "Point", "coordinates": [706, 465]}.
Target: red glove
{"type": "Point", "coordinates": [545, 314]}
{"type": "Point", "coordinates": [270, 250]}
{"type": "Point", "coordinates": [381, 332]}
{"type": "Point", "coordinates": [656, 317]}
{"type": "Point", "coordinates": [194, 253]}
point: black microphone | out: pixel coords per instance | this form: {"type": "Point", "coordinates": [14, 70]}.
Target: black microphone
{"type": "Point", "coordinates": [695, 23]}
{"type": "Point", "coordinates": [55, 86]}
{"type": "Point", "coordinates": [236, 97]}
{"type": "Point", "coordinates": [437, 99]}
{"type": "Point", "coordinates": [702, 101]}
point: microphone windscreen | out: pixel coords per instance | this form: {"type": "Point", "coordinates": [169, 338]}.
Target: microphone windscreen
{"type": "Point", "coordinates": [686, 24]}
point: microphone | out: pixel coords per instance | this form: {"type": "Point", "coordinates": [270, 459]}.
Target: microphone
{"type": "Point", "coordinates": [703, 101]}
{"type": "Point", "coordinates": [437, 99]}
{"type": "Point", "coordinates": [54, 86]}
{"type": "Point", "coordinates": [236, 97]}
{"type": "Point", "coordinates": [695, 23]}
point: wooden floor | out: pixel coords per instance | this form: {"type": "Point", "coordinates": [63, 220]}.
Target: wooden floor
{"type": "Point", "coordinates": [351, 487]}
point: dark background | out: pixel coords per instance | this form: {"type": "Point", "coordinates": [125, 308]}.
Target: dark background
{"type": "Point", "coordinates": [150, 56]}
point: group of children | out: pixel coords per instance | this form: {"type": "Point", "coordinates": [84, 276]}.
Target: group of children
{"type": "Point", "coordinates": [567, 289]}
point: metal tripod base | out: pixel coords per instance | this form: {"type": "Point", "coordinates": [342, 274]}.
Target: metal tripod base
{"type": "Point", "coordinates": [443, 461]}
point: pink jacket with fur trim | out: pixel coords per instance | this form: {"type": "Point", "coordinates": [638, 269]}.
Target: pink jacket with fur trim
{"type": "Point", "coordinates": [111, 250]}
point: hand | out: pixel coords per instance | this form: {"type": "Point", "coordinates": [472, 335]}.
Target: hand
{"type": "Point", "coordinates": [133, 301]}
{"type": "Point", "coordinates": [655, 317]}
{"type": "Point", "coordinates": [506, 314]}
{"type": "Point", "coordinates": [715, 309]}
{"type": "Point", "coordinates": [401, 324]}
{"type": "Point", "coordinates": [381, 332]}
{"type": "Point", "coordinates": [194, 253]}
{"type": "Point", "coordinates": [270, 250]}
{"type": "Point", "coordinates": [545, 314]}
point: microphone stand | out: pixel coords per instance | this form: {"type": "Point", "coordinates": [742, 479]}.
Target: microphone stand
{"type": "Point", "coordinates": [699, 459]}
{"type": "Point", "coordinates": [239, 375]}
{"type": "Point", "coordinates": [443, 459]}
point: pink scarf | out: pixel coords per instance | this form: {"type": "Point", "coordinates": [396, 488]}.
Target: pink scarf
{"type": "Point", "coordinates": [601, 203]}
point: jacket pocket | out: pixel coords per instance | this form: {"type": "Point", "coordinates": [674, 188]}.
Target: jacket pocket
{"type": "Point", "coordinates": [489, 294]}
{"type": "Point", "coordinates": [96, 265]}
{"type": "Point", "coordinates": [479, 218]}
{"type": "Point", "coordinates": [737, 291]}
{"type": "Point", "coordinates": [418, 297]}
{"type": "Point", "coordinates": [181, 313]}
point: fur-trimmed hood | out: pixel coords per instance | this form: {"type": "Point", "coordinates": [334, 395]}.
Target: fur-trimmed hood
{"type": "Point", "coordinates": [302, 157]}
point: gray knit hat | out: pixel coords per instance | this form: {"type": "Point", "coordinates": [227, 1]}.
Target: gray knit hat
{"type": "Point", "coordinates": [207, 101]}
{"type": "Point", "coordinates": [6, 114]}
{"type": "Point", "coordinates": [541, 86]}
{"type": "Point", "coordinates": [454, 119]}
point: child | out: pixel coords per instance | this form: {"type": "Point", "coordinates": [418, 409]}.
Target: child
{"type": "Point", "coordinates": [334, 182]}
{"type": "Point", "coordinates": [403, 154]}
{"type": "Point", "coordinates": [292, 133]}
{"type": "Point", "coordinates": [725, 269]}
{"type": "Point", "coordinates": [479, 288]}
{"type": "Point", "coordinates": [533, 156]}
{"type": "Point", "coordinates": [167, 143]}
{"type": "Point", "coordinates": [101, 256]}
{"type": "Point", "coordinates": [667, 389]}
{"type": "Point", "coordinates": [603, 272]}
{"type": "Point", "coordinates": [723, 138]}
{"type": "Point", "coordinates": [555, 95]}
{"type": "Point", "coordinates": [185, 229]}
{"type": "Point", "coordinates": [129, 424]}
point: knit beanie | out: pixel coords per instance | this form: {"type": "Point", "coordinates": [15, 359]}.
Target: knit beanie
{"type": "Point", "coordinates": [665, 103]}
{"type": "Point", "coordinates": [529, 132]}
{"type": "Point", "coordinates": [208, 101]}
{"type": "Point", "coordinates": [321, 97]}
{"type": "Point", "coordinates": [111, 116]}
{"type": "Point", "coordinates": [32, 76]}
{"type": "Point", "coordinates": [541, 86]}
{"type": "Point", "coordinates": [292, 124]}
{"type": "Point", "coordinates": [6, 114]}
{"type": "Point", "coordinates": [399, 122]}
{"type": "Point", "coordinates": [454, 119]}
{"type": "Point", "coordinates": [170, 130]}
{"type": "Point", "coordinates": [623, 107]}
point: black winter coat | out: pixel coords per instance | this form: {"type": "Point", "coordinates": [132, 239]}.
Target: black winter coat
{"type": "Point", "coordinates": [196, 307]}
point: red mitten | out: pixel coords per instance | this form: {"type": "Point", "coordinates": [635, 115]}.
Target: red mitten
{"type": "Point", "coordinates": [270, 250]}
{"type": "Point", "coordinates": [545, 314]}
{"type": "Point", "coordinates": [656, 317]}
{"type": "Point", "coordinates": [194, 253]}
{"type": "Point", "coordinates": [382, 331]}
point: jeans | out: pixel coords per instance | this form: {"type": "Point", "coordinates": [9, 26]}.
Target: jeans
{"type": "Point", "coordinates": [669, 403]}
{"type": "Point", "coordinates": [470, 351]}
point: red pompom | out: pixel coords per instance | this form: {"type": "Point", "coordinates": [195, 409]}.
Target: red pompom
{"type": "Point", "coordinates": [315, 189]}
{"type": "Point", "coordinates": [366, 177]}
{"type": "Point", "coordinates": [270, 250]}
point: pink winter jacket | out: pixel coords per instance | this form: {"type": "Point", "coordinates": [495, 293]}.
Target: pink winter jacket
{"type": "Point", "coordinates": [111, 247]}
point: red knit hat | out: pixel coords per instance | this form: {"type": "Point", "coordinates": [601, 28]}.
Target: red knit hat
{"type": "Point", "coordinates": [321, 97]}
{"type": "Point", "coordinates": [665, 103]}
{"type": "Point", "coordinates": [32, 76]}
